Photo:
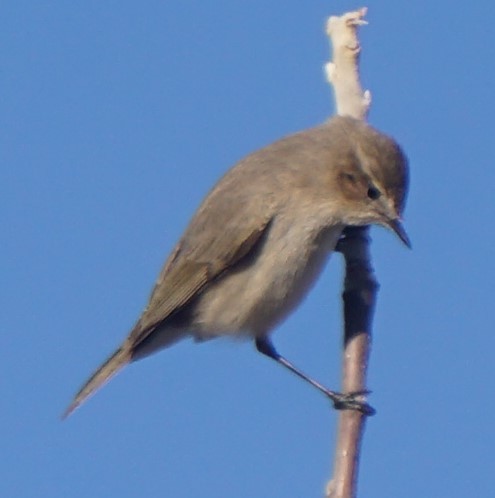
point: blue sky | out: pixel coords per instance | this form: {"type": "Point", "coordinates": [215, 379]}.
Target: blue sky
{"type": "Point", "coordinates": [115, 119]}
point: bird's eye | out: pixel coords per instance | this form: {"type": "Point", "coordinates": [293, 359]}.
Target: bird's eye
{"type": "Point", "coordinates": [373, 193]}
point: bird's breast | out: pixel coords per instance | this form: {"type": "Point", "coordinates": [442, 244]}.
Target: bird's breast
{"type": "Point", "coordinates": [255, 296]}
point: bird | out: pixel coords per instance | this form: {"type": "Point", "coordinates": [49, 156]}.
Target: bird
{"type": "Point", "coordinates": [261, 238]}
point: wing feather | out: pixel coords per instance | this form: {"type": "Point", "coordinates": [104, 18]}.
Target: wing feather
{"type": "Point", "coordinates": [187, 273]}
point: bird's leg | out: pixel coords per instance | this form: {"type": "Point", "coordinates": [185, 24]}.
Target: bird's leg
{"type": "Point", "coordinates": [340, 401]}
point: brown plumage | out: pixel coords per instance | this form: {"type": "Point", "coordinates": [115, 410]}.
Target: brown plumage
{"type": "Point", "coordinates": [262, 235]}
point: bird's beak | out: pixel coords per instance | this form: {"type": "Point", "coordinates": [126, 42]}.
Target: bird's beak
{"type": "Point", "coordinates": [400, 231]}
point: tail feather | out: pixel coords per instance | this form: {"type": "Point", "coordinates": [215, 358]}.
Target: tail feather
{"type": "Point", "coordinates": [117, 361]}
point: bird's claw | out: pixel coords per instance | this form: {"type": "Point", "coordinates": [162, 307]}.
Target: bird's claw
{"type": "Point", "coordinates": [351, 401]}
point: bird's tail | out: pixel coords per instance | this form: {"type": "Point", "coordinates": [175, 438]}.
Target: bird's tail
{"type": "Point", "coordinates": [118, 360]}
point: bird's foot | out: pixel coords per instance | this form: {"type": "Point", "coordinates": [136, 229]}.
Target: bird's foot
{"type": "Point", "coordinates": [352, 401]}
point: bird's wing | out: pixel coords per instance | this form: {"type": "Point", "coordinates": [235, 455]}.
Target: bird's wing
{"type": "Point", "coordinates": [189, 271]}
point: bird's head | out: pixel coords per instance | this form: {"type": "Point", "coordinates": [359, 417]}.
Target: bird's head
{"type": "Point", "coordinates": [373, 178]}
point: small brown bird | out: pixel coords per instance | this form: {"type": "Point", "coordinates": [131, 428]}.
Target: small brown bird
{"type": "Point", "coordinates": [261, 237]}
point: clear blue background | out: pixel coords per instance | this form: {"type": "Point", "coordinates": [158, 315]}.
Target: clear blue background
{"type": "Point", "coordinates": [116, 117]}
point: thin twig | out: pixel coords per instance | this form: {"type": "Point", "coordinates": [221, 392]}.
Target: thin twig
{"type": "Point", "coordinates": [360, 286]}
{"type": "Point", "coordinates": [359, 297]}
